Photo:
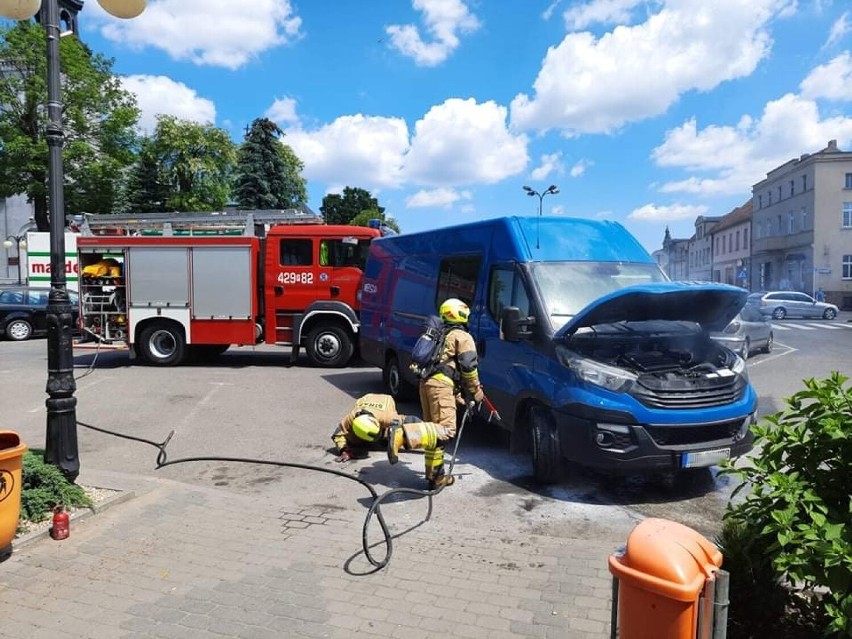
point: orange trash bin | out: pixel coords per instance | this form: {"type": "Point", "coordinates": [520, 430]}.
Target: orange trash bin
{"type": "Point", "coordinates": [661, 576]}
{"type": "Point", "coordinates": [12, 451]}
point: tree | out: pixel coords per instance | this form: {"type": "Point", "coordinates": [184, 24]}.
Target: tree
{"type": "Point", "coordinates": [98, 122]}
{"type": "Point", "coordinates": [197, 160]}
{"type": "Point", "coordinates": [268, 171]}
{"type": "Point", "coordinates": [364, 217]}
{"type": "Point", "coordinates": [342, 209]}
{"type": "Point", "coordinates": [147, 189]}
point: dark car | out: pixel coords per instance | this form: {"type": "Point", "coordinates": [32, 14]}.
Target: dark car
{"type": "Point", "coordinates": [23, 311]}
{"type": "Point", "coordinates": [781, 304]}
{"type": "Point", "coordinates": [748, 332]}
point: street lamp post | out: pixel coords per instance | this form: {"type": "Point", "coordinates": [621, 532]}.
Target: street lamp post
{"type": "Point", "coordinates": [61, 436]}
{"type": "Point", "coordinates": [21, 242]}
{"type": "Point", "coordinates": [550, 190]}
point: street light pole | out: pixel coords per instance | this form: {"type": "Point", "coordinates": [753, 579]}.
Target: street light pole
{"type": "Point", "coordinates": [550, 190]}
{"type": "Point", "coordinates": [61, 436]}
{"type": "Point", "coordinates": [21, 242]}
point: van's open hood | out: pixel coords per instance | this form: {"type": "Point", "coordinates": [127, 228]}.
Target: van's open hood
{"type": "Point", "coordinates": [711, 305]}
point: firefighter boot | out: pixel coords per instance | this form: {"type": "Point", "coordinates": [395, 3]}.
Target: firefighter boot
{"type": "Point", "coordinates": [396, 440]}
{"type": "Point", "coordinates": [437, 478]}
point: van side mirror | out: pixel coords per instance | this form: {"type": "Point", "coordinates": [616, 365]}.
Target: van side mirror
{"type": "Point", "coordinates": [514, 327]}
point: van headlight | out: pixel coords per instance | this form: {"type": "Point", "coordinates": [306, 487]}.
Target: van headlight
{"type": "Point", "coordinates": [611, 378]}
{"type": "Point", "coordinates": [739, 366]}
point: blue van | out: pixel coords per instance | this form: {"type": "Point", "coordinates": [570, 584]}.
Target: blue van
{"type": "Point", "coordinates": [590, 354]}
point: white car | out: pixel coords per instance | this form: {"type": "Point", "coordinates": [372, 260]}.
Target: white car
{"type": "Point", "coordinates": [781, 304]}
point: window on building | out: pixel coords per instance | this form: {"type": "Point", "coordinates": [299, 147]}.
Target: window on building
{"type": "Point", "coordinates": [804, 220]}
{"type": "Point", "coordinates": [792, 188]}
{"type": "Point", "coordinates": [724, 244]}
{"type": "Point", "coordinates": [790, 222]}
{"type": "Point", "coordinates": [780, 232]}
{"type": "Point", "coordinates": [847, 267]}
{"type": "Point", "coordinates": [716, 244]}
{"type": "Point", "coordinates": [769, 198]}
{"type": "Point", "coordinates": [760, 201]}
{"type": "Point", "coordinates": [847, 215]}
{"type": "Point", "coordinates": [738, 241]}
{"type": "Point", "coordinates": [848, 183]}
{"type": "Point", "coordinates": [745, 238]}
{"type": "Point", "coordinates": [804, 183]}
{"type": "Point", "coordinates": [779, 193]}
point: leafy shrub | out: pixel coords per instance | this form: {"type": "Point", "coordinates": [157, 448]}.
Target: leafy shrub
{"type": "Point", "coordinates": [43, 486]}
{"type": "Point", "coordinates": [796, 510]}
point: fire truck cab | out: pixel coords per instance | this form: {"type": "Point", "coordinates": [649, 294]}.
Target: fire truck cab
{"type": "Point", "coordinates": [181, 287]}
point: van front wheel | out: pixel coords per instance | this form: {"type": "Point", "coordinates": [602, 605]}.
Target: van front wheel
{"type": "Point", "coordinates": [398, 388]}
{"type": "Point", "coordinates": [546, 454]}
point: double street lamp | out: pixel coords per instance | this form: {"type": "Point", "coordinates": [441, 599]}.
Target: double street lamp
{"type": "Point", "coordinates": [21, 242]}
{"type": "Point", "coordinates": [61, 437]}
{"type": "Point", "coordinates": [550, 190]}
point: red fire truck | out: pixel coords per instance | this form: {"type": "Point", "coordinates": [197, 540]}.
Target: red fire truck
{"type": "Point", "coordinates": [174, 287]}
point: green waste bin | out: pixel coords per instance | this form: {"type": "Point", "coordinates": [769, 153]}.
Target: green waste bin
{"type": "Point", "coordinates": [12, 451]}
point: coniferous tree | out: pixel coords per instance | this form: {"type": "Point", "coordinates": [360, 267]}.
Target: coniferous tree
{"type": "Point", "coordinates": [147, 190]}
{"type": "Point", "coordinates": [268, 171]}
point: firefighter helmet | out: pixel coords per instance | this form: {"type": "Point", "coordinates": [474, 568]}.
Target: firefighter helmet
{"type": "Point", "coordinates": [366, 426]}
{"type": "Point", "coordinates": [454, 311]}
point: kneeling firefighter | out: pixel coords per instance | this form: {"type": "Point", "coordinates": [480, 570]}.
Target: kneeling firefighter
{"type": "Point", "coordinates": [367, 423]}
{"type": "Point", "coordinates": [453, 380]}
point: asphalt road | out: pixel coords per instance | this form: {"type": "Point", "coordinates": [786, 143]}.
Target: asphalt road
{"type": "Point", "coordinates": [250, 404]}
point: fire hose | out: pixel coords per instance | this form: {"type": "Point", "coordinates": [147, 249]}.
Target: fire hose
{"type": "Point", "coordinates": [375, 507]}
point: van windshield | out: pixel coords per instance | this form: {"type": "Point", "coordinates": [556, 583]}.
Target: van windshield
{"type": "Point", "coordinates": [567, 287]}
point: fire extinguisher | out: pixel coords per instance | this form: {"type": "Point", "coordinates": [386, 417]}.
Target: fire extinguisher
{"type": "Point", "coordinates": [61, 523]}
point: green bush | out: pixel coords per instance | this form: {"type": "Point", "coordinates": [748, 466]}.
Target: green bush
{"type": "Point", "coordinates": [796, 508]}
{"type": "Point", "coordinates": [43, 486]}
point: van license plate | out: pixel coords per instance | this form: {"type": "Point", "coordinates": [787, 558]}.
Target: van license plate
{"type": "Point", "coordinates": [704, 458]}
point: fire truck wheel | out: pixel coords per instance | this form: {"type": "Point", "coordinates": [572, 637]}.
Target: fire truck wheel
{"type": "Point", "coordinates": [330, 346]}
{"type": "Point", "coordinates": [162, 344]}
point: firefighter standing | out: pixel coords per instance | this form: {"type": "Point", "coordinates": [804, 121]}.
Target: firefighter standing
{"type": "Point", "coordinates": [456, 373]}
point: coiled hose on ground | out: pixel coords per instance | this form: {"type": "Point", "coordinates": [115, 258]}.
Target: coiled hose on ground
{"type": "Point", "coordinates": [375, 507]}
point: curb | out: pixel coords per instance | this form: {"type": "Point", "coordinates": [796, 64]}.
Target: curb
{"type": "Point", "coordinates": [79, 515]}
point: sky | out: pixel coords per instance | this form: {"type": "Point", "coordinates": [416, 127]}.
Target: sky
{"type": "Point", "coordinates": [649, 113]}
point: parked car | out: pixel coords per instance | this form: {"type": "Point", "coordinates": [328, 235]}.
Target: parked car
{"type": "Point", "coordinates": [781, 304]}
{"type": "Point", "coordinates": [748, 332]}
{"type": "Point", "coordinates": [23, 311]}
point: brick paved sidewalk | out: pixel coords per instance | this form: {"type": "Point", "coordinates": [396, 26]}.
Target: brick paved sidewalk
{"type": "Point", "coordinates": [183, 561]}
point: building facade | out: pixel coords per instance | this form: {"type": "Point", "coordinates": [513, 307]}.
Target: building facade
{"type": "Point", "coordinates": [701, 249]}
{"type": "Point", "coordinates": [802, 226]}
{"type": "Point", "coordinates": [731, 247]}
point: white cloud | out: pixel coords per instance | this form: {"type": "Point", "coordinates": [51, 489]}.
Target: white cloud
{"type": "Point", "coordinates": [219, 33]}
{"type": "Point", "coordinates": [655, 213]}
{"type": "Point", "coordinates": [551, 163]}
{"type": "Point", "coordinates": [738, 157]}
{"type": "Point", "coordinates": [283, 112]}
{"type": "Point", "coordinates": [839, 30]}
{"type": "Point", "coordinates": [354, 150]}
{"type": "Point", "coordinates": [581, 16]}
{"type": "Point", "coordinates": [456, 143]}
{"type": "Point", "coordinates": [597, 85]}
{"type": "Point", "coordinates": [157, 94]}
{"type": "Point", "coordinates": [442, 197]}
{"type": "Point", "coordinates": [832, 81]}
{"type": "Point", "coordinates": [580, 167]}
{"type": "Point", "coordinates": [443, 19]}
{"type": "Point", "coordinates": [462, 142]}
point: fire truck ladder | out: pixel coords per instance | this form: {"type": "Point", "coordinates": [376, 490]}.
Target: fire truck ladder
{"type": "Point", "coordinates": [246, 222]}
